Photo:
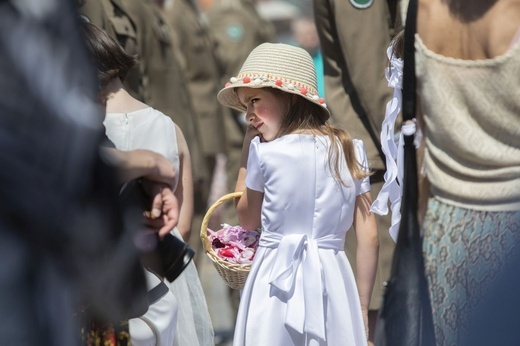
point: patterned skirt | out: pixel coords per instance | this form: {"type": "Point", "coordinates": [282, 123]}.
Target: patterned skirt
{"type": "Point", "coordinates": [464, 251]}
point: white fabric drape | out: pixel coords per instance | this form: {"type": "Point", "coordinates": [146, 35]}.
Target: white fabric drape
{"type": "Point", "coordinates": [392, 188]}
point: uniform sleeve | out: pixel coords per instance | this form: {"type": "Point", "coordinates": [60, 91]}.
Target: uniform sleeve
{"type": "Point", "coordinates": [361, 156]}
{"type": "Point", "coordinates": [254, 177]}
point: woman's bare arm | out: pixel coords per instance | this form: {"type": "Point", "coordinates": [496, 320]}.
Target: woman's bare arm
{"type": "Point", "coordinates": [184, 191]}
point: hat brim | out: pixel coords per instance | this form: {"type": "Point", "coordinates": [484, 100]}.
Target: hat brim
{"type": "Point", "coordinates": [229, 98]}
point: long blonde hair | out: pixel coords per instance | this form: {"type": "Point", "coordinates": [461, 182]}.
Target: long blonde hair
{"type": "Point", "coordinates": [302, 114]}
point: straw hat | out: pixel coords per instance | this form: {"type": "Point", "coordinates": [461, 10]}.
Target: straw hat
{"type": "Point", "coordinates": [275, 65]}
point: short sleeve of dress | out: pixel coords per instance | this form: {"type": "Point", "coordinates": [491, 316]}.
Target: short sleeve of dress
{"type": "Point", "coordinates": [254, 177]}
{"type": "Point", "coordinates": [361, 156]}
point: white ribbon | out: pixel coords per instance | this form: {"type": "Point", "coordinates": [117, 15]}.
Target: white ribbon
{"type": "Point", "coordinates": [392, 188]}
{"type": "Point", "coordinates": [297, 273]}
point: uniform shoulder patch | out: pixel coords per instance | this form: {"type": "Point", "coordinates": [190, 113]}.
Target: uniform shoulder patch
{"type": "Point", "coordinates": [361, 3]}
{"type": "Point", "coordinates": [235, 31]}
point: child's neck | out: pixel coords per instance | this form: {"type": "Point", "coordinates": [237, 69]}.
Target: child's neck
{"type": "Point", "coordinates": [118, 100]}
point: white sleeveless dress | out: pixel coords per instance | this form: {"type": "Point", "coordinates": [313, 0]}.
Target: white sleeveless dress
{"type": "Point", "coordinates": [301, 289]}
{"type": "Point", "coordinates": [181, 317]}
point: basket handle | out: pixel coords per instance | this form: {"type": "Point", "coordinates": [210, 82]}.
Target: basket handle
{"type": "Point", "coordinates": [212, 208]}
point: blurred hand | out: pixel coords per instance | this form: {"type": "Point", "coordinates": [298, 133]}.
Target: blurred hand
{"type": "Point", "coordinates": [161, 170]}
{"type": "Point", "coordinates": [164, 214]}
{"type": "Point", "coordinates": [142, 163]}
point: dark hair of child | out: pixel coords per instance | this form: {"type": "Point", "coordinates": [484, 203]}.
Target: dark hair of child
{"type": "Point", "coordinates": [106, 54]}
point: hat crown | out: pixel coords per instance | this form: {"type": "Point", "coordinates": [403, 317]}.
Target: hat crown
{"type": "Point", "coordinates": [279, 66]}
{"type": "Point", "coordinates": [281, 61]}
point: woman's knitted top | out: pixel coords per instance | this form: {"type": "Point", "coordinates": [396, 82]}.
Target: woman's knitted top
{"type": "Point", "coordinates": [472, 115]}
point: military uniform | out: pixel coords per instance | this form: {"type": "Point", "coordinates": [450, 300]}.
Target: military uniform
{"type": "Point", "coordinates": [196, 52]}
{"type": "Point", "coordinates": [165, 86]}
{"type": "Point", "coordinates": [237, 29]}
{"type": "Point", "coordinates": [113, 17]}
{"type": "Point", "coordinates": [162, 83]}
{"type": "Point", "coordinates": [354, 36]}
{"type": "Point", "coordinates": [202, 73]}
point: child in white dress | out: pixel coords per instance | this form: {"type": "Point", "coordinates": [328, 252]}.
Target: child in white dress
{"type": "Point", "coordinates": [306, 183]}
{"type": "Point", "coordinates": [180, 316]}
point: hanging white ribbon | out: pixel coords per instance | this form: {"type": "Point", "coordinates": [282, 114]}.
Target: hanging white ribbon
{"type": "Point", "coordinates": [392, 188]}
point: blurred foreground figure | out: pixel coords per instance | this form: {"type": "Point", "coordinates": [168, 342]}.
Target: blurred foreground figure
{"type": "Point", "coordinates": [63, 241]}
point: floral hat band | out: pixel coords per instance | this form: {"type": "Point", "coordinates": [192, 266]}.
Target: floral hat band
{"type": "Point", "coordinates": [275, 65]}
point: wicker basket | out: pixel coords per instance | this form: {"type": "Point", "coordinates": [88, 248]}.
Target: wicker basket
{"type": "Point", "coordinates": [234, 275]}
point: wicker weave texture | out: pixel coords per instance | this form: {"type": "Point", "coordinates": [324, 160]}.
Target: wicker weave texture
{"type": "Point", "coordinates": [234, 275]}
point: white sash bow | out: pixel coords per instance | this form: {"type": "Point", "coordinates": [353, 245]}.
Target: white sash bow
{"type": "Point", "coordinates": [297, 274]}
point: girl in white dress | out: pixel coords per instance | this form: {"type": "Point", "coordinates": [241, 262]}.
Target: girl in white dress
{"type": "Point", "coordinates": [180, 317]}
{"type": "Point", "coordinates": [306, 183]}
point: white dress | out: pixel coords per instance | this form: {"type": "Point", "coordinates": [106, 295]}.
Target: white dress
{"type": "Point", "coordinates": [301, 289]}
{"type": "Point", "coordinates": [181, 317]}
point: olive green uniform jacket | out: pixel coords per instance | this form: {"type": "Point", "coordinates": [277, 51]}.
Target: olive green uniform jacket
{"type": "Point", "coordinates": [158, 80]}
{"type": "Point", "coordinates": [354, 40]}
{"type": "Point", "coordinates": [165, 85]}
{"type": "Point", "coordinates": [202, 73]}
{"type": "Point", "coordinates": [113, 17]}
{"type": "Point", "coordinates": [237, 29]}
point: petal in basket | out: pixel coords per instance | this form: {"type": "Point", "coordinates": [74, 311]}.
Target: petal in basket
{"type": "Point", "coordinates": [233, 274]}
{"type": "Point", "coordinates": [234, 244]}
